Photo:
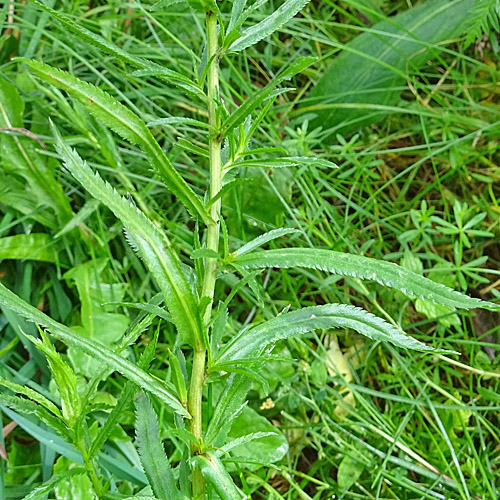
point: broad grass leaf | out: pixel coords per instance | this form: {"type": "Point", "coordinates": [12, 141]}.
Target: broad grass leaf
{"type": "Point", "coordinates": [254, 341]}
{"type": "Point", "coordinates": [269, 25]}
{"type": "Point", "coordinates": [35, 246]}
{"type": "Point", "coordinates": [369, 71]}
{"type": "Point", "coordinates": [125, 123]}
{"type": "Point", "coordinates": [153, 458]}
{"type": "Point", "coordinates": [215, 473]}
{"type": "Point", "coordinates": [97, 322]}
{"type": "Point", "coordinates": [150, 241]}
{"type": "Point", "coordinates": [19, 156]}
{"type": "Point", "coordinates": [92, 348]}
{"type": "Point", "coordinates": [357, 266]}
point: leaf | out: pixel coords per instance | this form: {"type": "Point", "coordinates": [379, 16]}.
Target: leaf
{"type": "Point", "coordinates": [96, 322]}
{"type": "Point", "coordinates": [151, 242]}
{"type": "Point", "coordinates": [19, 155]}
{"type": "Point", "coordinates": [40, 492]}
{"type": "Point", "coordinates": [229, 406]}
{"type": "Point", "coordinates": [357, 266]}
{"type": "Point", "coordinates": [126, 124]}
{"type": "Point", "coordinates": [28, 407]}
{"type": "Point", "coordinates": [265, 444]}
{"type": "Point", "coordinates": [98, 351]}
{"type": "Point", "coordinates": [64, 377]}
{"type": "Point", "coordinates": [35, 246]}
{"type": "Point", "coordinates": [483, 17]}
{"type": "Point", "coordinates": [153, 458]}
{"type": "Point", "coordinates": [236, 11]}
{"type": "Point", "coordinates": [363, 81]}
{"type": "Point", "coordinates": [349, 472]}
{"type": "Point", "coordinates": [214, 472]}
{"type": "Point", "coordinates": [77, 487]}
{"type": "Point", "coordinates": [88, 209]}
{"type": "Point", "coordinates": [253, 341]}
{"type": "Point", "coordinates": [31, 394]}
{"type": "Point", "coordinates": [268, 25]}
{"type": "Point", "coordinates": [94, 40]}
{"type": "Point", "coordinates": [257, 98]}
{"type": "Point", "coordinates": [263, 239]}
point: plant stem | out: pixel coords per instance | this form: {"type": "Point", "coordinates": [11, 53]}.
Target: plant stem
{"type": "Point", "coordinates": [91, 472]}
{"type": "Point", "coordinates": [209, 278]}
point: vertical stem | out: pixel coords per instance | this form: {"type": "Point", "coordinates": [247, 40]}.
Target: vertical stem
{"type": "Point", "coordinates": [209, 278]}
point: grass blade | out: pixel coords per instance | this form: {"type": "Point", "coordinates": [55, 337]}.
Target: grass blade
{"type": "Point", "coordinates": [385, 273]}
{"type": "Point", "coordinates": [126, 124]}
{"type": "Point", "coordinates": [94, 349]}
{"type": "Point", "coordinates": [152, 244]}
{"type": "Point", "coordinates": [94, 40]}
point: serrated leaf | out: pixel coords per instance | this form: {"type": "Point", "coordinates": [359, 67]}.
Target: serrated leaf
{"type": "Point", "coordinates": [153, 458]}
{"type": "Point", "coordinates": [236, 12]}
{"type": "Point", "coordinates": [202, 253]}
{"type": "Point", "coordinates": [98, 351]}
{"type": "Point", "coordinates": [268, 25]}
{"type": "Point", "coordinates": [215, 473]}
{"type": "Point", "coordinates": [125, 123]}
{"type": "Point", "coordinates": [106, 46]}
{"type": "Point", "coordinates": [151, 242]}
{"type": "Point", "coordinates": [229, 406]}
{"type": "Point", "coordinates": [64, 377]}
{"type": "Point", "coordinates": [27, 407]}
{"type": "Point", "coordinates": [254, 341]}
{"type": "Point", "coordinates": [357, 266]}
{"type": "Point", "coordinates": [31, 394]}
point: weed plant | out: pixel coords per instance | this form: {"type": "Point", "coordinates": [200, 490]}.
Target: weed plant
{"type": "Point", "coordinates": [244, 249]}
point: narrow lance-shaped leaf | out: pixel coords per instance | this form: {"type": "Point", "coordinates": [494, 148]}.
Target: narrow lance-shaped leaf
{"type": "Point", "coordinates": [106, 46]}
{"type": "Point", "coordinates": [153, 458]}
{"type": "Point", "coordinates": [268, 25]}
{"type": "Point", "coordinates": [125, 123]}
{"type": "Point", "coordinates": [151, 242]}
{"type": "Point", "coordinates": [229, 405]}
{"type": "Point", "coordinates": [94, 349]}
{"type": "Point", "coordinates": [385, 273]}
{"type": "Point", "coordinates": [254, 341]}
{"type": "Point", "coordinates": [215, 473]}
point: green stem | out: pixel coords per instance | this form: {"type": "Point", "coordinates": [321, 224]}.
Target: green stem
{"type": "Point", "coordinates": [91, 472]}
{"type": "Point", "coordinates": [209, 278]}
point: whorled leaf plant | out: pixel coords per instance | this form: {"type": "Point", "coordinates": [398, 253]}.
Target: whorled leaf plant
{"type": "Point", "coordinates": [199, 321]}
